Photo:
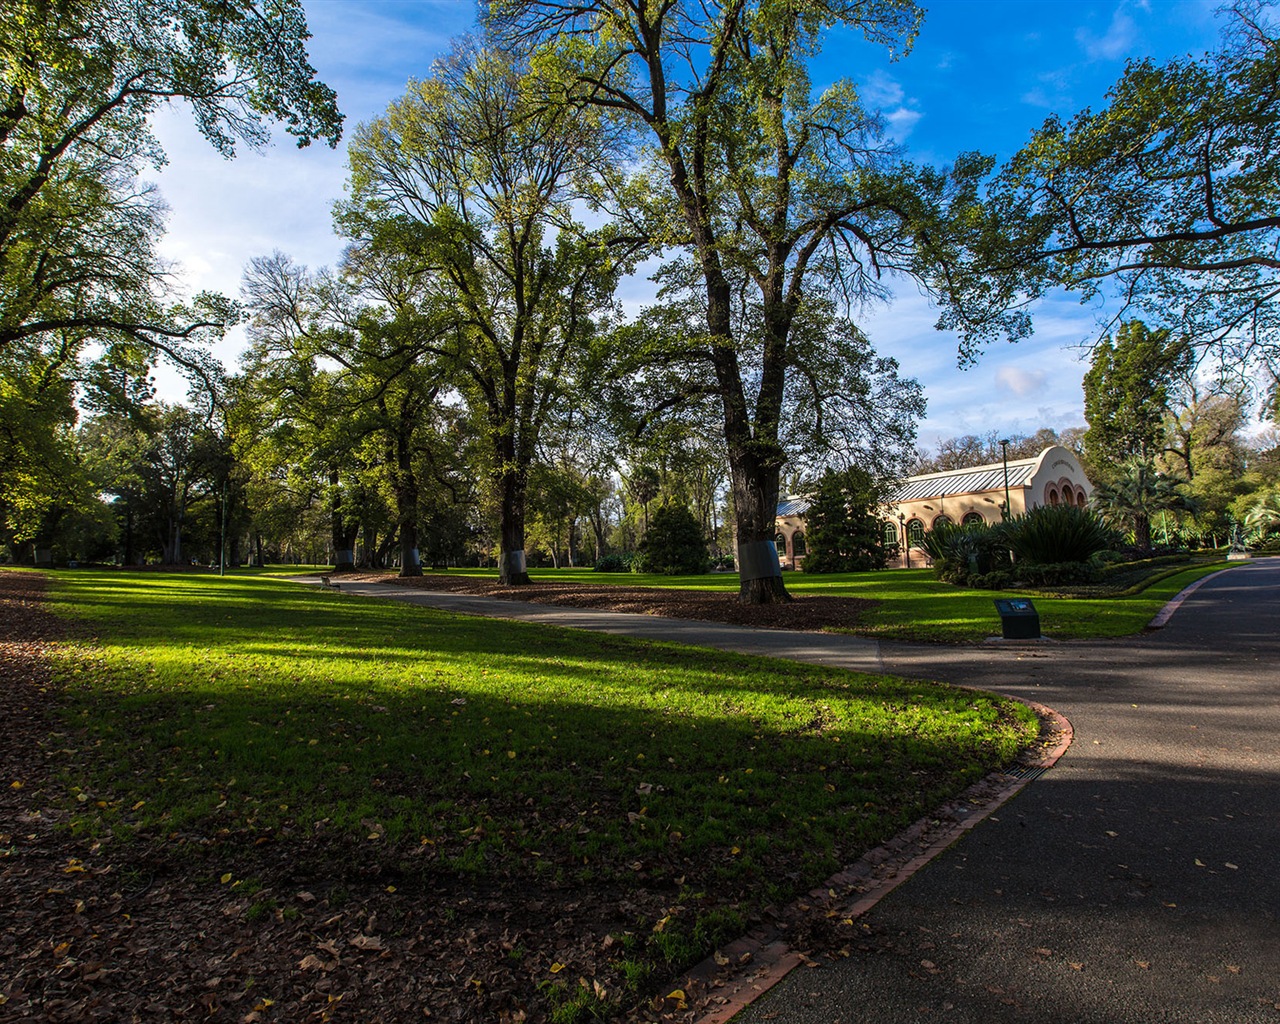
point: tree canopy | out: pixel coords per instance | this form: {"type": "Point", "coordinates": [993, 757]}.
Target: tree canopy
{"type": "Point", "coordinates": [780, 198]}
{"type": "Point", "coordinates": [1164, 199]}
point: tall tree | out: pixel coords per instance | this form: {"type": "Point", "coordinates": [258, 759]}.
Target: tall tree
{"type": "Point", "coordinates": [79, 80]}
{"type": "Point", "coordinates": [469, 187]}
{"type": "Point", "coordinates": [1126, 393]}
{"type": "Point", "coordinates": [1164, 199]}
{"type": "Point", "coordinates": [780, 199]}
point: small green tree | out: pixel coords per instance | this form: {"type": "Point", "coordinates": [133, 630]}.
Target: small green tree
{"type": "Point", "coordinates": [673, 544]}
{"type": "Point", "coordinates": [1130, 500]}
{"type": "Point", "coordinates": [844, 532]}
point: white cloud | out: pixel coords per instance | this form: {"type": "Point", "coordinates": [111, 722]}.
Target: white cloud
{"type": "Point", "coordinates": [1019, 381]}
{"type": "Point", "coordinates": [1117, 42]}
{"type": "Point", "coordinates": [884, 93]}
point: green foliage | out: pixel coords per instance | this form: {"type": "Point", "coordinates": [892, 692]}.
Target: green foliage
{"type": "Point", "coordinates": [1164, 193]}
{"type": "Point", "coordinates": [973, 554]}
{"type": "Point", "coordinates": [844, 532]}
{"type": "Point", "coordinates": [1126, 393]}
{"type": "Point", "coordinates": [1130, 499]}
{"type": "Point", "coordinates": [673, 545]}
{"type": "Point", "coordinates": [1056, 534]}
{"type": "Point", "coordinates": [84, 294]}
{"type": "Point", "coordinates": [615, 562]}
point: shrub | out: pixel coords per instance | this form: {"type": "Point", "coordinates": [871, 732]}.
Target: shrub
{"type": "Point", "coordinates": [616, 562]}
{"type": "Point", "coordinates": [1053, 534]}
{"type": "Point", "coordinates": [844, 532]}
{"type": "Point", "coordinates": [972, 555]}
{"type": "Point", "coordinates": [673, 545]}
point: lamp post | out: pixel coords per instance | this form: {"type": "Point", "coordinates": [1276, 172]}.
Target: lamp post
{"type": "Point", "coordinates": [906, 544]}
{"type": "Point", "coordinates": [1004, 457]}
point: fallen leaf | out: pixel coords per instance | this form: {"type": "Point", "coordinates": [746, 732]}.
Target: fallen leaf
{"type": "Point", "coordinates": [369, 942]}
{"type": "Point", "coordinates": [1233, 867]}
{"type": "Point", "coordinates": [1144, 964]}
{"type": "Point", "coordinates": [557, 968]}
{"type": "Point", "coordinates": [720, 958]}
{"type": "Point", "coordinates": [1044, 952]}
{"type": "Point", "coordinates": [1076, 967]}
{"type": "Point", "coordinates": [226, 878]}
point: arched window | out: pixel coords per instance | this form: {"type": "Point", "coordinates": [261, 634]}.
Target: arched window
{"type": "Point", "coordinates": [1081, 500]}
{"type": "Point", "coordinates": [915, 533]}
{"type": "Point", "coordinates": [972, 518]}
{"type": "Point", "coordinates": [1053, 496]}
{"type": "Point", "coordinates": [891, 535]}
{"type": "Point", "coordinates": [943, 518]}
{"type": "Point", "coordinates": [798, 546]}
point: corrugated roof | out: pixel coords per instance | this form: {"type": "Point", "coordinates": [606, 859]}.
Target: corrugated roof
{"type": "Point", "coordinates": [937, 485]}
{"type": "Point", "coordinates": [794, 506]}
{"type": "Point", "coordinates": [965, 481]}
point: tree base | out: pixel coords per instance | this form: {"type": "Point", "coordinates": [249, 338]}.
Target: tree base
{"type": "Point", "coordinates": [765, 590]}
{"type": "Point", "coordinates": [515, 579]}
{"type": "Point", "coordinates": [410, 570]}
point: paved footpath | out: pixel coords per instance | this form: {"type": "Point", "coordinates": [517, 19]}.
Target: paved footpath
{"type": "Point", "coordinates": [1137, 881]}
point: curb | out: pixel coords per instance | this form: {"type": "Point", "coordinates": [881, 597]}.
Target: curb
{"type": "Point", "coordinates": [736, 975]}
{"type": "Point", "coordinates": [1166, 613]}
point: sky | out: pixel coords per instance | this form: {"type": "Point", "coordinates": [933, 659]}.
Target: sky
{"type": "Point", "coordinates": [983, 75]}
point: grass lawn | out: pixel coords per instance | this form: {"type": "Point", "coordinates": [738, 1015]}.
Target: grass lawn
{"type": "Point", "coordinates": [913, 605]}
{"type": "Point", "coordinates": [223, 713]}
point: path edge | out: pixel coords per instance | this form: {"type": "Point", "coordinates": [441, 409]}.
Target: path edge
{"type": "Point", "coordinates": [736, 975]}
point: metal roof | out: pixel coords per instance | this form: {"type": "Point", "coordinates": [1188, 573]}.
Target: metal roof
{"type": "Point", "coordinates": [940, 485]}
{"type": "Point", "coordinates": [965, 481]}
{"type": "Point", "coordinates": [793, 506]}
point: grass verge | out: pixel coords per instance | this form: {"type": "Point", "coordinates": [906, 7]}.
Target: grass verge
{"type": "Point", "coordinates": [218, 714]}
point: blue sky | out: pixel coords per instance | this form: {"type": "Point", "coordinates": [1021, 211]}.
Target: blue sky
{"type": "Point", "coordinates": [982, 76]}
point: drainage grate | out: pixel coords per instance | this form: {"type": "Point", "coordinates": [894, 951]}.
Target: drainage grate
{"type": "Point", "coordinates": [1026, 772]}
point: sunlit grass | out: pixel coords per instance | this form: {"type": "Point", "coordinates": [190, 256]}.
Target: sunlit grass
{"type": "Point", "coordinates": [213, 706]}
{"type": "Point", "coordinates": [911, 604]}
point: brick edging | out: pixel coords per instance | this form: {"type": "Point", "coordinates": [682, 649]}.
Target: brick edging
{"type": "Point", "coordinates": [739, 973]}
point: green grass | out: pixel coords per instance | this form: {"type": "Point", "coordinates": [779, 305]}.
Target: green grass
{"type": "Point", "coordinates": [914, 606]}
{"type": "Point", "coordinates": [238, 706]}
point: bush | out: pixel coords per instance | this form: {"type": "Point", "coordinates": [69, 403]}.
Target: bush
{"type": "Point", "coordinates": [967, 554]}
{"type": "Point", "coordinates": [844, 531]}
{"type": "Point", "coordinates": [673, 545]}
{"type": "Point", "coordinates": [617, 562]}
{"type": "Point", "coordinates": [1054, 534]}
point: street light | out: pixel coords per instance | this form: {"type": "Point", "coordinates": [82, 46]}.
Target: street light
{"type": "Point", "coordinates": [1004, 457]}
{"type": "Point", "coordinates": [906, 545]}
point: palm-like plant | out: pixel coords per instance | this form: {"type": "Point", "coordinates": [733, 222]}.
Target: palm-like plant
{"type": "Point", "coordinates": [1136, 494]}
{"type": "Point", "coordinates": [1263, 515]}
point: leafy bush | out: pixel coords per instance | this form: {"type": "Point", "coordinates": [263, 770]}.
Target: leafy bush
{"type": "Point", "coordinates": [673, 545]}
{"type": "Point", "coordinates": [966, 554]}
{"type": "Point", "coordinates": [845, 534]}
{"type": "Point", "coordinates": [616, 562]}
{"type": "Point", "coordinates": [1054, 534]}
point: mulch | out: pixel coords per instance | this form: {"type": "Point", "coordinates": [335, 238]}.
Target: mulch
{"type": "Point", "coordinates": [806, 613]}
{"type": "Point", "coordinates": [294, 925]}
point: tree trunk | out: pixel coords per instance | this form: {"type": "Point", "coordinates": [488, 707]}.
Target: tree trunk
{"type": "Point", "coordinates": [755, 501]}
{"type": "Point", "coordinates": [513, 569]}
{"type": "Point", "coordinates": [1142, 532]}
{"type": "Point", "coordinates": [406, 487]}
{"type": "Point", "coordinates": [342, 533]}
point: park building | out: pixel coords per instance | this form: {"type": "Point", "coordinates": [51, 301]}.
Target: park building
{"type": "Point", "coordinates": [977, 494]}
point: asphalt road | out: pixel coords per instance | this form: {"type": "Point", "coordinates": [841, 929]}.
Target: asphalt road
{"type": "Point", "coordinates": [1137, 881]}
